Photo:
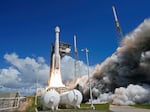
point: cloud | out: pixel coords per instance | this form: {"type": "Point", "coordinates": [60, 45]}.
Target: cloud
{"type": "Point", "coordinates": [23, 73]}
{"type": "Point", "coordinates": [29, 68]}
{"type": "Point", "coordinates": [10, 77]}
{"type": "Point", "coordinates": [67, 68]}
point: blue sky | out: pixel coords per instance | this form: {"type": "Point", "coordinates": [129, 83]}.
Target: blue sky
{"type": "Point", "coordinates": [27, 26]}
{"type": "Point", "coordinates": [27, 30]}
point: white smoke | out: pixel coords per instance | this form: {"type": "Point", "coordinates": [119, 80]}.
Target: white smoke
{"type": "Point", "coordinates": [128, 65]}
{"type": "Point", "coordinates": [133, 94]}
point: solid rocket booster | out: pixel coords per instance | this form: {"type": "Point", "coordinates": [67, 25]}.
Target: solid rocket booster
{"type": "Point", "coordinates": [56, 55]}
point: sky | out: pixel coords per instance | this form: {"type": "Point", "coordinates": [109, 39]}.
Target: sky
{"type": "Point", "coordinates": [27, 31]}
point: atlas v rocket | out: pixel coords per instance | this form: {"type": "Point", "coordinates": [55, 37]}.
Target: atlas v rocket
{"type": "Point", "coordinates": [118, 27]}
{"type": "Point", "coordinates": [116, 18]}
{"type": "Point", "coordinates": [56, 55]}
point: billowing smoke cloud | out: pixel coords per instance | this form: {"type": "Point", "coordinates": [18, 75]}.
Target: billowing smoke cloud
{"type": "Point", "coordinates": [128, 65]}
{"type": "Point", "coordinates": [133, 94]}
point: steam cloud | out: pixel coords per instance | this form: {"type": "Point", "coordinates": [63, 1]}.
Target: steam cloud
{"type": "Point", "coordinates": [126, 73]}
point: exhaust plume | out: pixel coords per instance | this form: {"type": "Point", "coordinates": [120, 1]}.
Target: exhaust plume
{"type": "Point", "coordinates": [128, 65]}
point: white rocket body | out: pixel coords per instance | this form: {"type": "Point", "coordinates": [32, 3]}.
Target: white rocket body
{"type": "Point", "coordinates": [56, 55]}
{"type": "Point", "coordinates": [118, 27]}
{"type": "Point", "coordinates": [116, 18]}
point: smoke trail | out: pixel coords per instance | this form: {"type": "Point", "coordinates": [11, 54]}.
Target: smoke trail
{"type": "Point", "coordinates": [128, 65]}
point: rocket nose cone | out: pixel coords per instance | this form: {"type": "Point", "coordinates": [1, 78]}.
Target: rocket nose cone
{"type": "Point", "coordinates": [57, 29]}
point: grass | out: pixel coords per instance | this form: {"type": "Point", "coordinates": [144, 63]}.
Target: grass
{"type": "Point", "coordinates": [145, 106]}
{"type": "Point", "coordinates": [97, 106]}
{"type": "Point", "coordinates": [31, 107]}
{"type": "Point", "coordinates": [84, 107]}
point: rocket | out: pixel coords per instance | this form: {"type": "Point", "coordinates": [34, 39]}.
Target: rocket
{"type": "Point", "coordinates": [118, 27]}
{"type": "Point", "coordinates": [56, 55]}
{"type": "Point", "coordinates": [115, 16]}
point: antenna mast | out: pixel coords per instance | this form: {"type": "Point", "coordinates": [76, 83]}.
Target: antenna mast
{"type": "Point", "coordinates": [75, 58]}
{"type": "Point", "coordinates": [118, 27]}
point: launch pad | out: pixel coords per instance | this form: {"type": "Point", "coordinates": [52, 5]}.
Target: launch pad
{"type": "Point", "coordinates": [56, 94]}
{"type": "Point", "coordinates": [59, 89]}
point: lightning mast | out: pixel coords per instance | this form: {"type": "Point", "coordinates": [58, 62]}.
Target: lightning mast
{"type": "Point", "coordinates": [118, 27]}
{"type": "Point", "coordinates": [75, 58]}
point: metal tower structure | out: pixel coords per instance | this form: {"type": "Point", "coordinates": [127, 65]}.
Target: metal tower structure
{"type": "Point", "coordinates": [75, 57]}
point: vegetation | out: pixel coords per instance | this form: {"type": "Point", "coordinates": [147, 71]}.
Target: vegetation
{"type": "Point", "coordinates": [97, 106]}
{"type": "Point", "coordinates": [145, 106]}
{"type": "Point", "coordinates": [31, 106]}
{"type": "Point", "coordinates": [84, 107]}
{"type": "Point", "coordinates": [39, 104]}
